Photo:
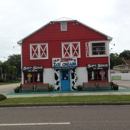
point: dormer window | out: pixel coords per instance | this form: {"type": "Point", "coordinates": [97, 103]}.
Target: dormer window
{"type": "Point", "coordinates": [63, 26]}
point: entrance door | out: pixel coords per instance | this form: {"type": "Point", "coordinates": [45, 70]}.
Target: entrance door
{"type": "Point", "coordinates": [65, 79]}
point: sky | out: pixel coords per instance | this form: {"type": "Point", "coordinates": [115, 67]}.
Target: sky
{"type": "Point", "coordinates": [19, 18]}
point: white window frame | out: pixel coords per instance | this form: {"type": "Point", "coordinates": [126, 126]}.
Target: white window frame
{"type": "Point", "coordinates": [99, 55]}
{"type": "Point", "coordinates": [62, 25]}
{"type": "Point", "coordinates": [71, 46]}
{"type": "Point", "coordinates": [39, 56]}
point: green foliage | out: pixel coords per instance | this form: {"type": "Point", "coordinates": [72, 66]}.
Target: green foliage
{"type": "Point", "coordinates": [115, 59]}
{"type": "Point", "coordinates": [17, 89]}
{"type": "Point", "coordinates": [79, 87]}
{"type": "Point", "coordinates": [15, 61]}
{"type": "Point", "coordinates": [125, 54]}
{"type": "Point", "coordinates": [2, 97]}
{"type": "Point", "coordinates": [50, 88]}
{"type": "Point", "coordinates": [10, 69]}
{"type": "Point", "coordinates": [69, 99]}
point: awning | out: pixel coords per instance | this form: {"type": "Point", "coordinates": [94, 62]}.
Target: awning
{"type": "Point", "coordinates": [97, 66]}
{"type": "Point", "coordinates": [32, 69]}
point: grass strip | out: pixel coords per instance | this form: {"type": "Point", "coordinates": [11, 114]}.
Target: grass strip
{"type": "Point", "coordinates": [6, 83]}
{"type": "Point", "coordinates": [68, 99]}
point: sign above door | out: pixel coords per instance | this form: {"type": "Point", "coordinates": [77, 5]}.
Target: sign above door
{"type": "Point", "coordinates": [64, 62]}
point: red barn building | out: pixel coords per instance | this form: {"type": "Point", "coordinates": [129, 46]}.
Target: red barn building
{"type": "Point", "coordinates": [65, 53]}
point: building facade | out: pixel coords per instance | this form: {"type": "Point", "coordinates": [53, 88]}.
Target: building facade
{"type": "Point", "coordinates": [65, 53]}
{"type": "Point", "coordinates": [123, 68]}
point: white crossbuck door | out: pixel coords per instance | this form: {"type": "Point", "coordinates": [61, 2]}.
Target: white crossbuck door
{"type": "Point", "coordinates": [71, 49]}
{"type": "Point", "coordinates": [39, 51]}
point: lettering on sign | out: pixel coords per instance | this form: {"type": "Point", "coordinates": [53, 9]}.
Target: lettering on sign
{"type": "Point", "coordinates": [97, 66]}
{"type": "Point", "coordinates": [64, 62]}
{"type": "Point", "coordinates": [33, 69]}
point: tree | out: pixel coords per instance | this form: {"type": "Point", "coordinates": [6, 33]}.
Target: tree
{"type": "Point", "coordinates": [115, 60]}
{"type": "Point", "coordinates": [15, 61]}
{"type": "Point", "coordinates": [5, 69]}
{"type": "Point", "coordinates": [125, 55]}
{"type": "Point", "coordinates": [1, 72]}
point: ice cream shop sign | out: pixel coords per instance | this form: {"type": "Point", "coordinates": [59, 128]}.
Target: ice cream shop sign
{"type": "Point", "coordinates": [64, 62]}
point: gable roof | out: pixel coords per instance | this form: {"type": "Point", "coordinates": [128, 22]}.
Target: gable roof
{"type": "Point", "coordinates": [127, 62]}
{"type": "Point", "coordinates": [64, 19]}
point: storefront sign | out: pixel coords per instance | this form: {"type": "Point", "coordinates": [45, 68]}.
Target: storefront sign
{"type": "Point", "coordinates": [97, 66]}
{"type": "Point", "coordinates": [64, 62]}
{"type": "Point", "coordinates": [33, 69]}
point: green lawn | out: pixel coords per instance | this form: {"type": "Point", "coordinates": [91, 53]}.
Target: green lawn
{"type": "Point", "coordinates": [68, 99]}
{"type": "Point", "coordinates": [12, 82]}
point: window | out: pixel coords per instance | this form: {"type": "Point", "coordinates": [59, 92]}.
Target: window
{"type": "Point", "coordinates": [63, 26]}
{"type": "Point", "coordinates": [126, 67]}
{"type": "Point", "coordinates": [39, 51]}
{"type": "Point", "coordinates": [97, 75]}
{"type": "Point", "coordinates": [33, 77]}
{"type": "Point", "coordinates": [71, 49]}
{"type": "Point", "coordinates": [98, 48]}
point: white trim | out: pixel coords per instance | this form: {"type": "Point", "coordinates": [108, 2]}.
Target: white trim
{"type": "Point", "coordinates": [70, 46]}
{"type": "Point", "coordinates": [22, 75]}
{"type": "Point", "coordinates": [38, 54]}
{"type": "Point", "coordinates": [106, 49]}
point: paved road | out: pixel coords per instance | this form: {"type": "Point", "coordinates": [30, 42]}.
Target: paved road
{"type": "Point", "coordinates": [5, 89]}
{"type": "Point", "coordinates": [123, 83]}
{"type": "Point", "coordinates": [66, 118]}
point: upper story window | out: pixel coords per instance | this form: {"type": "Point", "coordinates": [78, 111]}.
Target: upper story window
{"type": "Point", "coordinates": [63, 26]}
{"type": "Point", "coordinates": [98, 48]}
{"type": "Point", "coordinates": [39, 51]}
{"type": "Point", "coordinates": [71, 49]}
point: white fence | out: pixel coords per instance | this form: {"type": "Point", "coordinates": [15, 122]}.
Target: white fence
{"type": "Point", "coordinates": [120, 76]}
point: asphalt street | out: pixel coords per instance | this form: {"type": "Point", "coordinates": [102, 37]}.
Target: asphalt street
{"type": "Point", "coordinates": [97, 117]}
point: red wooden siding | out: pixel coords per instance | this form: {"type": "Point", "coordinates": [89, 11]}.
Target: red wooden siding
{"type": "Point", "coordinates": [52, 35]}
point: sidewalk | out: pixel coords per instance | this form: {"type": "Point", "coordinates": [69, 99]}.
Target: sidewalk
{"type": "Point", "coordinates": [123, 83]}
{"type": "Point", "coordinates": [124, 88]}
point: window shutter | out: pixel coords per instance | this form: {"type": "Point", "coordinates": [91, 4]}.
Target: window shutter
{"type": "Point", "coordinates": [75, 49]}
{"type": "Point", "coordinates": [34, 51]}
{"type": "Point", "coordinates": [66, 50]}
{"type": "Point", "coordinates": [87, 49]}
{"type": "Point", "coordinates": [43, 51]}
{"type": "Point", "coordinates": [39, 51]}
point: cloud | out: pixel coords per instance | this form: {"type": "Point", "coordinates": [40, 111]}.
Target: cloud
{"type": "Point", "coordinates": [20, 18]}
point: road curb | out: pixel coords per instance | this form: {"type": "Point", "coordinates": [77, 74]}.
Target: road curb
{"type": "Point", "coordinates": [62, 104]}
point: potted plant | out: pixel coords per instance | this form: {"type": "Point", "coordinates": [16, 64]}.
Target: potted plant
{"type": "Point", "coordinates": [115, 87]}
{"type": "Point", "coordinates": [79, 87]}
{"type": "Point", "coordinates": [17, 90]}
{"type": "Point", "coordinates": [50, 88]}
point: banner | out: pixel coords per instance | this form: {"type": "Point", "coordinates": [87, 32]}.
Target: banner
{"type": "Point", "coordinates": [64, 62]}
{"type": "Point", "coordinates": [32, 69]}
{"type": "Point", "coordinates": [97, 66]}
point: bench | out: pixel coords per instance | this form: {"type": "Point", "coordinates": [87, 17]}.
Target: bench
{"type": "Point", "coordinates": [42, 86]}
{"type": "Point", "coordinates": [96, 85]}
{"type": "Point", "coordinates": [27, 87]}
{"type": "Point", "coordinates": [87, 86]}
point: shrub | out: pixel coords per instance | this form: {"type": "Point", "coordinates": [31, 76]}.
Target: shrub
{"type": "Point", "coordinates": [2, 97]}
{"type": "Point", "coordinates": [115, 87]}
{"type": "Point", "coordinates": [50, 88]}
{"type": "Point", "coordinates": [79, 87]}
{"type": "Point", "coordinates": [17, 89]}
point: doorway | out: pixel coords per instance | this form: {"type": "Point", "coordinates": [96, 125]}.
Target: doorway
{"type": "Point", "coordinates": [65, 79]}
